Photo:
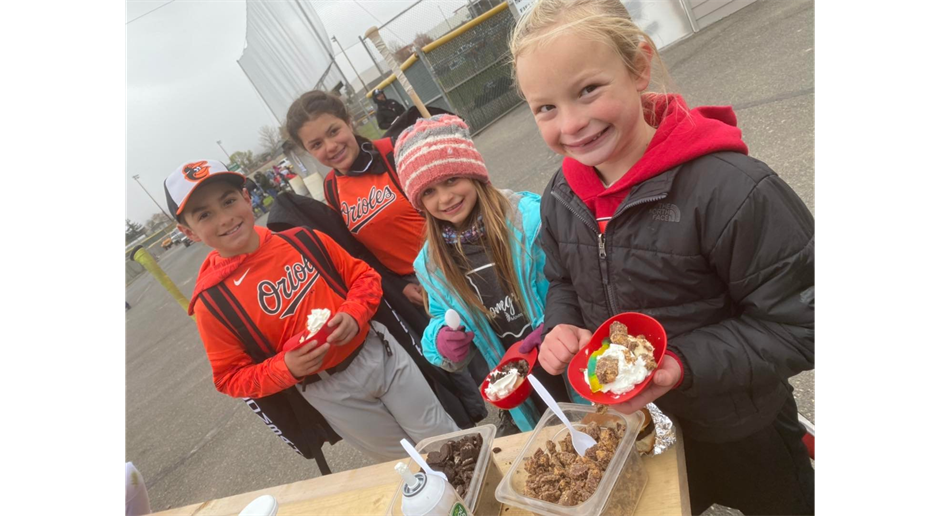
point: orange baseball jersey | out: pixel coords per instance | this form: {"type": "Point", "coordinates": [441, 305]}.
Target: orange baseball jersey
{"type": "Point", "coordinates": [278, 287]}
{"type": "Point", "coordinates": [378, 214]}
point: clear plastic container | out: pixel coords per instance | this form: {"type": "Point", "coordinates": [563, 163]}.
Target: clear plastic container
{"type": "Point", "coordinates": [480, 497]}
{"type": "Point", "coordinates": [621, 486]}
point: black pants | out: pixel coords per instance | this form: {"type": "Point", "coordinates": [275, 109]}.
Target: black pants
{"type": "Point", "coordinates": [468, 395]}
{"type": "Point", "coordinates": [768, 472]}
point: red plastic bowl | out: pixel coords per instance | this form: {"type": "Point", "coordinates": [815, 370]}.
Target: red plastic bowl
{"type": "Point", "coordinates": [519, 395]}
{"type": "Point", "coordinates": [320, 337]}
{"type": "Point", "coordinates": [637, 324]}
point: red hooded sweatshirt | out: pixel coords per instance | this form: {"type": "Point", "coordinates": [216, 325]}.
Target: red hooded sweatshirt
{"type": "Point", "coordinates": [682, 135]}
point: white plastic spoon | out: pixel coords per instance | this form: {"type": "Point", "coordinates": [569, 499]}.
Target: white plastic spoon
{"type": "Point", "coordinates": [580, 440]}
{"type": "Point", "coordinates": [417, 458]}
{"type": "Point", "coordinates": [452, 318]}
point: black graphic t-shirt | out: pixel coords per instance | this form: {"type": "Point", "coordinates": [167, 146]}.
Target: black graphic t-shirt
{"type": "Point", "coordinates": [507, 317]}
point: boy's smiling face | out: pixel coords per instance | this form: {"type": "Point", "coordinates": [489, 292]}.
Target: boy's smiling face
{"type": "Point", "coordinates": [219, 214]}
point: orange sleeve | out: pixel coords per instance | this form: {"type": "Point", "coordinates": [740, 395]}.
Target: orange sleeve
{"type": "Point", "coordinates": [362, 281]}
{"type": "Point", "coordinates": [233, 371]}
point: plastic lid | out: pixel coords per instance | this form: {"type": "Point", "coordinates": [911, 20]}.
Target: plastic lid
{"type": "Point", "coordinates": [264, 505]}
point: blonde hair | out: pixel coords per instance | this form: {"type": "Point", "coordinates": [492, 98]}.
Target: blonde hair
{"type": "Point", "coordinates": [496, 240]}
{"type": "Point", "coordinates": [604, 21]}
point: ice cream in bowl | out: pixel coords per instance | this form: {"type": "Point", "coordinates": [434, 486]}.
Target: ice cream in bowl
{"type": "Point", "coordinates": [316, 330]}
{"type": "Point", "coordinates": [506, 386]}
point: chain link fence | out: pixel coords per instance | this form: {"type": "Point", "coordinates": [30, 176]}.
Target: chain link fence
{"type": "Point", "coordinates": [474, 68]}
{"type": "Point", "coordinates": [456, 57]}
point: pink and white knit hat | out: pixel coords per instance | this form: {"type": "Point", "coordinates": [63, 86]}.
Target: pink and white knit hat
{"type": "Point", "coordinates": [435, 149]}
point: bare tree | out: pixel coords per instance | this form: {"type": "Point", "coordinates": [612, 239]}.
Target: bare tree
{"type": "Point", "coordinates": [269, 137]}
{"type": "Point", "coordinates": [422, 40]}
{"type": "Point", "coordinates": [156, 222]}
{"type": "Point", "coordinates": [401, 53]}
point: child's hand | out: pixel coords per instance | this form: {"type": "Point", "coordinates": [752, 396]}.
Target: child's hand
{"type": "Point", "coordinates": [531, 341]}
{"type": "Point", "coordinates": [305, 360]}
{"type": "Point", "coordinates": [454, 344]}
{"type": "Point", "coordinates": [560, 346]}
{"type": "Point", "coordinates": [414, 293]}
{"type": "Point", "coordinates": [664, 379]}
{"type": "Point", "coordinates": [346, 329]}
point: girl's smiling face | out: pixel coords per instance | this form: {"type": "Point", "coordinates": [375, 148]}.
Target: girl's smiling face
{"type": "Point", "coordinates": [331, 141]}
{"type": "Point", "coordinates": [450, 200]}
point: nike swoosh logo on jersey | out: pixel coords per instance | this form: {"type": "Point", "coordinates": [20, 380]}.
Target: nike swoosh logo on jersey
{"type": "Point", "coordinates": [239, 280]}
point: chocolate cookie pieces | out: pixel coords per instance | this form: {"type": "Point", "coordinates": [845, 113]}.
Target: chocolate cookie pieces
{"type": "Point", "coordinates": [457, 459]}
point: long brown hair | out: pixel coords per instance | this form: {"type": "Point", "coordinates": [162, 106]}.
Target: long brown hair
{"type": "Point", "coordinates": [310, 106]}
{"type": "Point", "coordinates": [495, 211]}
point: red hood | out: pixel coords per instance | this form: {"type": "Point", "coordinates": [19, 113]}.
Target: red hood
{"type": "Point", "coordinates": [215, 268]}
{"type": "Point", "coordinates": [682, 135]}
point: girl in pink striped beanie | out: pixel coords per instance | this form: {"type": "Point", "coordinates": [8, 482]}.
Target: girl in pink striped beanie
{"type": "Point", "coordinates": [482, 257]}
{"type": "Point", "coordinates": [435, 149]}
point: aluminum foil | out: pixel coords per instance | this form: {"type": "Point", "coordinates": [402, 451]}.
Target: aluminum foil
{"type": "Point", "coordinates": [665, 430]}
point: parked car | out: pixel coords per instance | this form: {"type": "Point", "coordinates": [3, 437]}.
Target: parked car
{"type": "Point", "coordinates": [178, 237]}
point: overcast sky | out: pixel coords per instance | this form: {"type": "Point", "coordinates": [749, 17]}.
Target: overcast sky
{"type": "Point", "coordinates": [185, 89]}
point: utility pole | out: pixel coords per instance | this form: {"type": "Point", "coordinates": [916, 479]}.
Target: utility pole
{"type": "Point", "coordinates": [229, 156]}
{"type": "Point", "coordinates": [137, 178]}
{"type": "Point", "coordinates": [445, 18]}
{"type": "Point", "coordinates": [348, 60]}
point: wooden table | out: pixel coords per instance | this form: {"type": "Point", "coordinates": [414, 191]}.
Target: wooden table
{"type": "Point", "coordinates": [369, 490]}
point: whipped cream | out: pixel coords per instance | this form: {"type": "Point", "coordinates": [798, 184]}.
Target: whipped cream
{"type": "Point", "coordinates": [501, 388]}
{"type": "Point", "coordinates": [315, 321]}
{"type": "Point", "coordinates": [629, 374]}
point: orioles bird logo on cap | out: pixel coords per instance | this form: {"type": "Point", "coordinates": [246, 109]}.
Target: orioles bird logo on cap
{"type": "Point", "coordinates": [196, 171]}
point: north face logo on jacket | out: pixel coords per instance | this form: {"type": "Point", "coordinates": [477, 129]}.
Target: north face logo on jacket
{"type": "Point", "coordinates": [665, 212]}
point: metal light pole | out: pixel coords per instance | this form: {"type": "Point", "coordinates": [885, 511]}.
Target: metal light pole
{"type": "Point", "coordinates": [137, 178]}
{"type": "Point", "coordinates": [348, 60]}
{"type": "Point", "coordinates": [223, 150]}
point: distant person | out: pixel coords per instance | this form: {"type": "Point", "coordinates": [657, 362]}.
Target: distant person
{"type": "Point", "coordinates": [386, 110]}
